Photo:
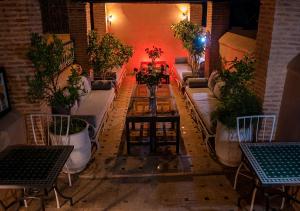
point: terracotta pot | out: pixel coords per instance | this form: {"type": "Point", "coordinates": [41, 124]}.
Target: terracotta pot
{"type": "Point", "coordinates": [227, 146]}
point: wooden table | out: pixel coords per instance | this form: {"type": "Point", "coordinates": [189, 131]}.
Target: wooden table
{"type": "Point", "coordinates": [148, 110]}
{"type": "Point", "coordinates": [274, 163]}
{"type": "Point", "coordinates": [31, 166]}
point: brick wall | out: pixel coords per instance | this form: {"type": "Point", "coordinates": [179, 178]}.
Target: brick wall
{"type": "Point", "coordinates": [217, 24]}
{"type": "Point", "coordinates": [99, 18]}
{"type": "Point", "coordinates": [196, 13]}
{"type": "Point", "coordinates": [79, 25]}
{"type": "Point", "coordinates": [18, 20]}
{"type": "Point", "coordinates": [263, 44]}
{"type": "Point", "coordinates": [278, 42]}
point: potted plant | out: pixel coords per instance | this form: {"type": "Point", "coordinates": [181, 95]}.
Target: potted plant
{"type": "Point", "coordinates": [107, 53]}
{"type": "Point", "coordinates": [237, 99]}
{"type": "Point", "coordinates": [154, 53]}
{"type": "Point", "coordinates": [44, 87]}
{"type": "Point", "coordinates": [78, 137]}
{"type": "Point", "coordinates": [44, 84]}
{"type": "Point", "coordinates": [193, 39]}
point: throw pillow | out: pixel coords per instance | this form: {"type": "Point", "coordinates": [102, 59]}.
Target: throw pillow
{"type": "Point", "coordinates": [197, 82]}
{"type": "Point", "coordinates": [212, 80]}
{"type": "Point", "coordinates": [85, 88]}
{"type": "Point", "coordinates": [217, 89]}
{"type": "Point", "coordinates": [181, 60]}
{"type": "Point", "coordinates": [102, 85]}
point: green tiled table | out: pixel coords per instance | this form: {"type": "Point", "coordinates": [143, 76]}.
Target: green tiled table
{"type": "Point", "coordinates": [275, 163]}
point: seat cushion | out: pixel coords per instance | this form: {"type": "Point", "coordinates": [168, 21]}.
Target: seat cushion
{"type": "Point", "coordinates": [204, 109]}
{"type": "Point", "coordinates": [94, 107]}
{"type": "Point", "coordinates": [196, 94]}
{"type": "Point", "coordinates": [181, 68]}
{"type": "Point", "coordinates": [205, 103]}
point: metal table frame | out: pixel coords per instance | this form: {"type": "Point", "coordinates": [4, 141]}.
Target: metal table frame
{"type": "Point", "coordinates": [262, 180]}
{"type": "Point", "coordinates": [46, 184]}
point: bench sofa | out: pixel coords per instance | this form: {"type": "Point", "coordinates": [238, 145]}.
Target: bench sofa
{"type": "Point", "coordinates": [202, 97]}
{"type": "Point", "coordinates": [182, 71]}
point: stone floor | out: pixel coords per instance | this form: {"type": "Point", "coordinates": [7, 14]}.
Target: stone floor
{"type": "Point", "coordinates": [116, 181]}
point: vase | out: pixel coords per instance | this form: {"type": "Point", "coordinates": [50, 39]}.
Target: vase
{"type": "Point", "coordinates": [152, 90]}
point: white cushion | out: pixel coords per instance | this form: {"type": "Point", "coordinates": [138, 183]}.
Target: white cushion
{"type": "Point", "coordinates": [212, 80]}
{"type": "Point", "coordinates": [85, 88]}
{"type": "Point", "coordinates": [180, 68]}
{"type": "Point", "coordinates": [217, 89]}
{"type": "Point", "coordinates": [95, 106]}
{"type": "Point", "coordinates": [204, 109]}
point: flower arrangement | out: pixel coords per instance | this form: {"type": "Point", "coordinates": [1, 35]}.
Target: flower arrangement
{"type": "Point", "coordinates": [149, 78]}
{"type": "Point", "coordinates": [154, 53]}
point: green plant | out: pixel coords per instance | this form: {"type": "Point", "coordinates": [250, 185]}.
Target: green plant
{"type": "Point", "coordinates": [60, 127]}
{"type": "Point", "coordinates": [107, 53]}
{"type": "Point", "coordinates": [193, 39]}
{"type": "Point", "coordinates": [44, 84]}
{"type": "Point", "coordinates": [237, 98]}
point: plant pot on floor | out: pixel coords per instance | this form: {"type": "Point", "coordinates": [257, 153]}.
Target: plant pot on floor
{"type": "Point", "coordinates": [227, 146]}
{"type": "Point", "coordinates": [81, 153]}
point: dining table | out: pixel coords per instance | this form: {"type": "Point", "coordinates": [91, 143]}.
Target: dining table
{"type": "Point", "coordinates": [161, 109]}
{"type": "Point", "coordinates": [275, 164]}
{"type": "Point", "coordinates": [32, 167]}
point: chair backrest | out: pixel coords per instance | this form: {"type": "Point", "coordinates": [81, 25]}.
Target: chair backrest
{"type": "Point", "coordinates": [50, 129]}
{"type": "Point", "coordinates": [257, 128]}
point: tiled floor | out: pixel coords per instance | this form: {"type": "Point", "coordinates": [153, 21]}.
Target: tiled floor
{"type": "Point", "coordinates": [116, 181]}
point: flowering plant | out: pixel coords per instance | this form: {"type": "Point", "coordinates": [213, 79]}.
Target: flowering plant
{"type": "Point", "coordinates": [150, 78]}
{"type": "Point", "coordinates": [154, 53]}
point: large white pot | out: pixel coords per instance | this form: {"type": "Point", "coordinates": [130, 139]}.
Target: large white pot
{"type": "Point", "coordinates": [227, 146]}
{"type": "Point", "coordinates": [81, 153]}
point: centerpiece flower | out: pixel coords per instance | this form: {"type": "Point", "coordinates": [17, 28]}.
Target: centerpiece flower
{"type": "Point", "coordinates": [154, 53]}
{"type": "Point", "coordinates": [151, 79]}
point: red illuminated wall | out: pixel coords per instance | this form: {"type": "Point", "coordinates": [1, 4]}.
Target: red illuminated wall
{"type": "Point", "coordinates": [145, 25]}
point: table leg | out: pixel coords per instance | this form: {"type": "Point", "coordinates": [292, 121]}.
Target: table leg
{"type": "Point", "coordinates": [253, 196]}
{"type": "Point", "coordinates": [56, 191]}
{"type": "Point", "coordinates": [153, 136]}
{"type": "Point", "coordinates": [128, 136]}
{"type": "Point", "coordinates": [177, 136]}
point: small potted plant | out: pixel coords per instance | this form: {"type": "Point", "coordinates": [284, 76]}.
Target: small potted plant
{"type": "Point", "coordinates": [237, 99]}
{"type": "Point", "coordinates": [154, 53]}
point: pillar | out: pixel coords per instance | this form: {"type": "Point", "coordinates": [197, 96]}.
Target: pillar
{"type": "Point", "coordinates": [217, 23]}
{"type": "Point", "coordinates": [79, 27]}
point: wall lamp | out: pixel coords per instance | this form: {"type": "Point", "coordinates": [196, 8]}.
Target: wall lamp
{"type": "Point", "coordinates": [109, 19]}
{"type": "Point", "coordinates": [184, 16]}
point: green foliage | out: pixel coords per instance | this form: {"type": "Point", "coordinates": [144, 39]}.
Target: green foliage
{"type": "Point", "coordinates": [60, 127]}
{"type": "Point", "coordinates": [191, 36]}
{"type": "Point", "coordinates": [43, 85]}
{"type": "Point", "coordinates": [237, 99]}
{"type": "Point", "coordinates": [107, 53]}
